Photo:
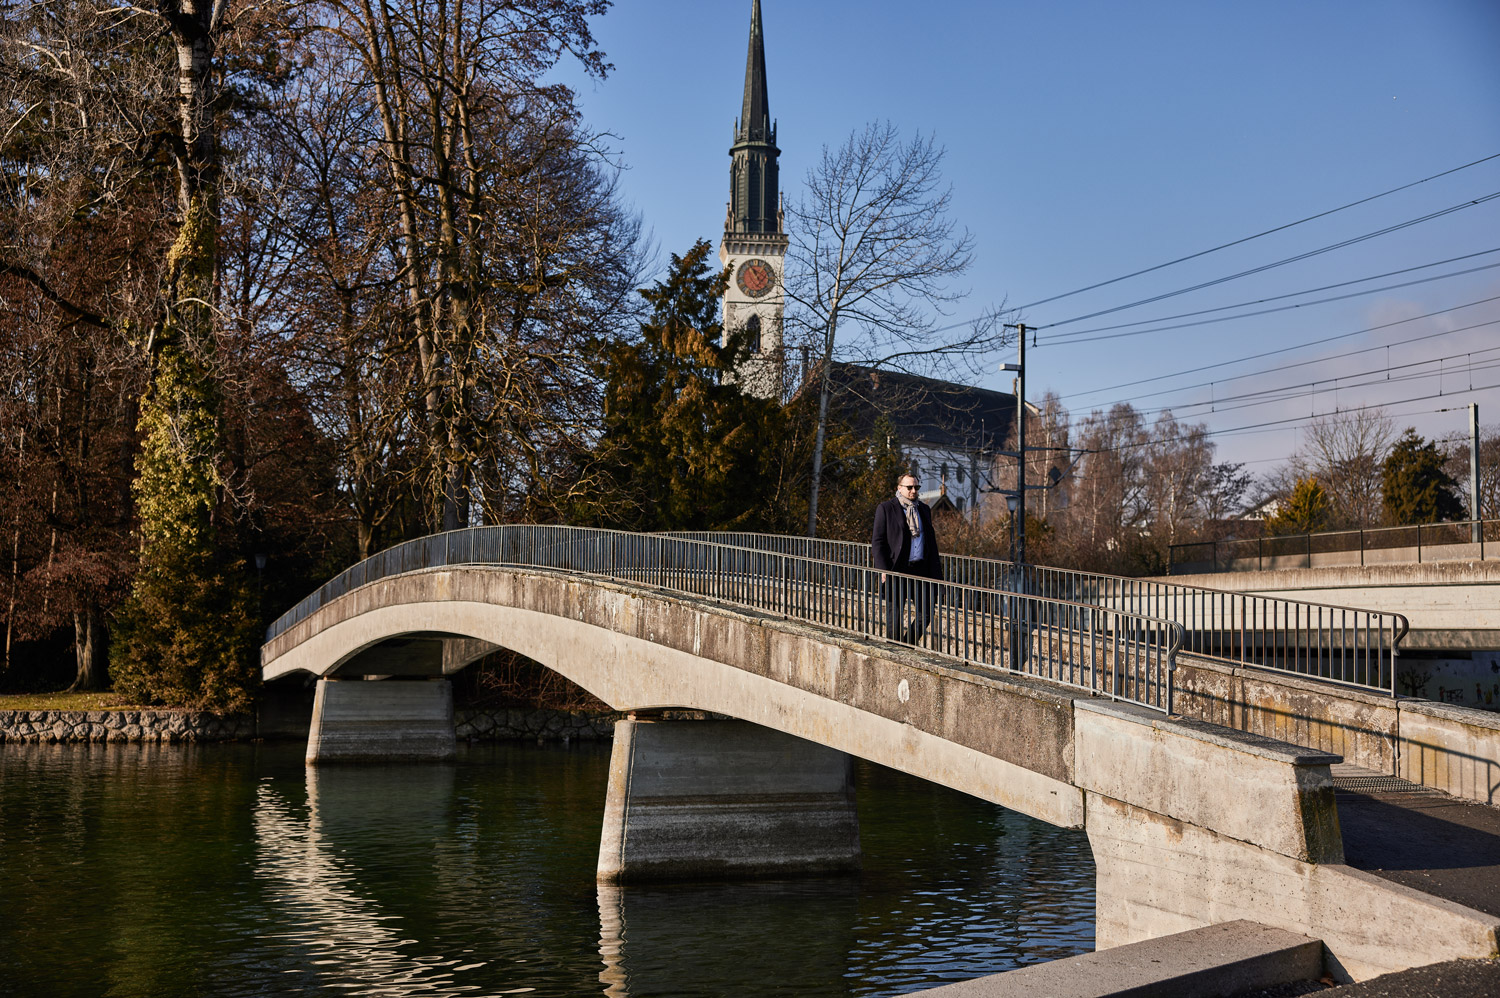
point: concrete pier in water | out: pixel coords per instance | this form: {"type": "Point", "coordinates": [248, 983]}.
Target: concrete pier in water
{"type": "Point", "coordinates": [691, 799]}
{"type": "Point", "coordinates": [389, 720]}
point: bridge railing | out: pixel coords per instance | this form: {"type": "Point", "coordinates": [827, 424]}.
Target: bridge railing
{"type": "Point", "coordinates": [1421, 543]}
{"type": "Point", "coordinates": [1105, 650]}
{"type": "Point", "coordinates": [1338, 644]}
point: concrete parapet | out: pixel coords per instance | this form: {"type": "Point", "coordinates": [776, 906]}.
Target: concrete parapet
{"type": "Point", "coordinates": [1254, 789]}
{"type": "Point", "coordinates": [1157, 875]}
{"type": "Point", "coordinates": [387, 721]}
{"type": "Point", "coordinates": [691, 799]}
{"type": "Point", "coordinates": [1449, 748]}
{"type": "Point", "coordinates": [1356, 724]}
{"type": "Point", "coordinates": [1454, 749]}
{"type": "Point", "coordinates": [1224, 959]}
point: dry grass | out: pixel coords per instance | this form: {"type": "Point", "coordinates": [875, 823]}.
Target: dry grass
{"type": "Point", "coordinates": [65, 701]}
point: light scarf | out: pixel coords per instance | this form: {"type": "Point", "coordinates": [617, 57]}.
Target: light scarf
{"type": "Point", "coordinates": [913, 520]}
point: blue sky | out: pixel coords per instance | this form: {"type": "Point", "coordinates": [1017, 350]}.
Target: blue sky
{"type": "Point", "coordinates": [1087, 140]}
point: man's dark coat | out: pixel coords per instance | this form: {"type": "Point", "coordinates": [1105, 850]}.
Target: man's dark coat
{"type": "Point", "coordinates": [890, 541]}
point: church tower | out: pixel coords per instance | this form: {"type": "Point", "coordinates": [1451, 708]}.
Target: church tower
{"type": "Point", "coordinates": [754, 245]}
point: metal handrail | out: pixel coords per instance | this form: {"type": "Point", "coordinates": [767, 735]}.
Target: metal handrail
{"type": "Point", "coordinates": [1348, 646]}
{"type": "Point", "coordinates": [1104, 650]}
{"type": "Point", "coordinates": [1467, 537]}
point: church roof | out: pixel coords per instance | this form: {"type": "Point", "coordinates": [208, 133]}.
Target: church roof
{"type": "Point", "coordinates": [924, 412]}
{"type": "Point", "coordinates": [755, 111]}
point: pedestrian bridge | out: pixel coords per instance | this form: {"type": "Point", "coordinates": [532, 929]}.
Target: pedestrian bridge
{"type": "Point", "coordinates": [1057, 708]}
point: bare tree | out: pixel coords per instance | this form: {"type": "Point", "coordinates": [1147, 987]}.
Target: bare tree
{"type": "Point", "coordinates": [1343, 452]}
{"type": "Point", "coordinates": [872, 251]}
{"type": "Point", "coordinates": [1177, 465]}
{"type": "Point", "coordinates": [507, 241]}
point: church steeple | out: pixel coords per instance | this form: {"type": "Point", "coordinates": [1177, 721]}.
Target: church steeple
{"type": "Point", "coordinates": [753, 123]}
{"type": "Point", "coordinates": [754, 182]}
{"type": "Point", "coordinates": [754, 246]}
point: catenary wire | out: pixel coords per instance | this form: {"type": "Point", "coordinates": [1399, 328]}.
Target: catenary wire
{"type": "Point", "coordinates": [1267, 232]}
{"type": "Point", "coordinates": [1293, 294]}
{"type": "Point", "coordinates": [1290, 393]}
{"type": "Point", "coordinates": [1280, 350]}
{"type": "Point", "coordinates": [1060, 341]}
{"type": "Point", "coordinates": [1278, 263]}
{"type": "Point", "coordinates": [1300, 363]}
{"type": "Point", "coordinates": [1234, 430]}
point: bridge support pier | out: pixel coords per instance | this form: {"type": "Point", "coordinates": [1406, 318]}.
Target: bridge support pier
{"type": "Point", "coordinates": [713, 799]}
{"type": "Point", "coordinates": [390, 720]}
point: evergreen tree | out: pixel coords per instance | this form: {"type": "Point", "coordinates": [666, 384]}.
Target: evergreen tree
{"type": "Point", "coordinates": [1414, 486]}
{"type": "Point", "coordinates": [1305, 511]}
{"type": "Point", "coordinates": [680, 450]}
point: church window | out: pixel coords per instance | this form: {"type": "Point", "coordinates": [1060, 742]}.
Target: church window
{"type": "Point", "coordinates": [959, 470]}
{"type": "Point", "coordinates": [753, 328]}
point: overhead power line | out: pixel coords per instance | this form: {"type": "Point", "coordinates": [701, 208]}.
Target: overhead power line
{"type": "Point", "coordinates": [1234, 430]}
{"type": "Point", "coordinates": [1293, 294]}
{"type": "Point", "coordinates": [1312, 389]}
{"type": "Point", "coordinates": [1278, 263]}
{"type": "Point", "coordinates": [1267, 232]}
{"type": "Point", "coordinates": [1280, 350]}
{"type": "Point", "coordinates": [1301, 363]}
{"type": "Point", "coordinates": [1268, 311]}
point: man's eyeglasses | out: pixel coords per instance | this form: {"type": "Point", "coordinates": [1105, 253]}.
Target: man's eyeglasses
{"type": "Point", "coordinates": [912, 487]}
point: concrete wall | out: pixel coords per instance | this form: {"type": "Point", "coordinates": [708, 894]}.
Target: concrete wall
{"type": "Point", "coordinates": [1425, 555]}
{"type": "Point", "coordinates": [1451, 748]}
{"type": "Point", "coordinates": [1355, 724]}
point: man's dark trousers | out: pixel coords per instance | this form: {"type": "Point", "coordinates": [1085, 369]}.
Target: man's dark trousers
{"type": "Point", "coordinates": [899, 590]}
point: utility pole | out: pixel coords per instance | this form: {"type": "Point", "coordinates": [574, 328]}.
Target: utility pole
{"type": "Point", "coordinates": [1019, 367]}
{"type": "Point", "coordinates": [1475, 530]}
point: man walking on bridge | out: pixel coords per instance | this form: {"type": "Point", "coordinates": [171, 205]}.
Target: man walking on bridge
{"type": "Point", "coordinates": [903, 541]}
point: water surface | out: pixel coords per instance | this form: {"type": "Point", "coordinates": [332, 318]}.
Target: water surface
{"type": "Point", "coordinates": [234, 870]}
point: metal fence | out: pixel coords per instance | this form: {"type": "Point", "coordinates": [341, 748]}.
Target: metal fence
{"type": "Point", "coordinates": [1337, 644]}
{"type": "Point", "coordinates": [1105, 650]}
{"type": "Point", "coordinates": [1465, 540]}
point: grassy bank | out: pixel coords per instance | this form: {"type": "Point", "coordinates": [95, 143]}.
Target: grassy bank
{"type": "Point", "coordinates": [65, 701]}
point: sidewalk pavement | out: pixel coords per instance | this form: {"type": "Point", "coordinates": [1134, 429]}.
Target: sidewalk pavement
{"type": "Point", "coordinates": [1420, 837]}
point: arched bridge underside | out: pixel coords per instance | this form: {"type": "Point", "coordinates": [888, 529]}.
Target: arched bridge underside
{"type": "Point", "coordinates": [1190, 823]}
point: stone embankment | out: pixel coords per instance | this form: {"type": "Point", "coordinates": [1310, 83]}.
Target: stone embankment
{"type": "Point", "coordinates": [520, 723]}
{"type": "Point", "coordinates": [53, 726]}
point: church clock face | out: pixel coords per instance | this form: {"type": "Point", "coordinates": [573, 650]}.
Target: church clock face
{"type": "Point", "coordinates": [756, 278]}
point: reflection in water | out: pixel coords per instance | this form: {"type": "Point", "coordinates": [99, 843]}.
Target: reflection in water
{"type": "Point", "coordinates": [234, 870]}
{"type": "Point", "coordinates": [339, 931]}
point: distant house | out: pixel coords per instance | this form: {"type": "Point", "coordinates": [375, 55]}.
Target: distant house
{"type": "Point", "coordinates": [949, 432]}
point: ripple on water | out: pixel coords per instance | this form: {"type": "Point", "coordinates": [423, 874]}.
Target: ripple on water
{"type": "Point", "coordinates": [234, 870]}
